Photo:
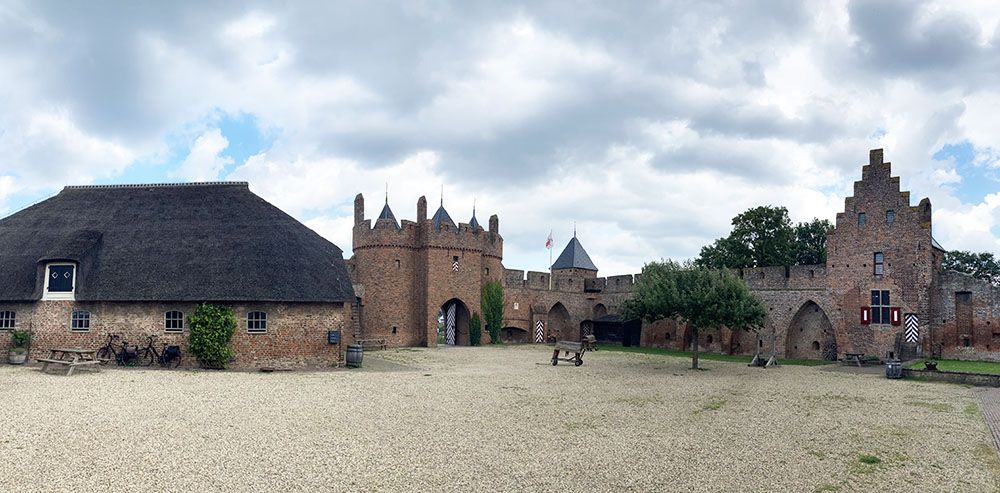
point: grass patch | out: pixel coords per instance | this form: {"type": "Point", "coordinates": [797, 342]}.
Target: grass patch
{"type": "Point", "coordinates": [955, 365]}
{"type": "Point", "coordinates": [826, 487]}
{"type": "Point", "coordinates": [942, 407]}
{"type": "Point", "coordinates": [989, 457]}
{"type": "Point", "coordinates": [712, 405]}
{"type": "Point", "coordinates": [869, 459]}
{"type": "Point", "coordinates": [729, 358]}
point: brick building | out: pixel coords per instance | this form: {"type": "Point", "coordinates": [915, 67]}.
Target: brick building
{"type": "Point", "coordinates": [134, 260]}
{"type": "Point", "coordinates": [883, 272]}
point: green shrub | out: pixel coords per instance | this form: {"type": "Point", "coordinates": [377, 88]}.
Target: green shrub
{"type": "Point", "coordinates": [211, 328]}
{"type": "Point", "coordinates": [492, 302]}
{"type": "Point", "coordinates": [475, 330]}
{"type": "Point", "coordinates": [20, 339]}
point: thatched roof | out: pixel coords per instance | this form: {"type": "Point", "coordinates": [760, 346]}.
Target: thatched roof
{"type": "Point", "coordinates": [178, 242]}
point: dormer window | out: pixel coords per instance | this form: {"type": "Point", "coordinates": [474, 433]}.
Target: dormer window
{"type": "Point", "coordinates": [60, 282]}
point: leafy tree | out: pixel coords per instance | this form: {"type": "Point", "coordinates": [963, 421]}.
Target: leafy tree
{"type": "Point", "coordinates": [979, 265]}
{"type": "Point", "coordinates": [210, 329]}
{"type": "Point", "coordinates": [475, 330]}
{"type": "Point", "coordinates": [764, 236]}
{"type": "Point", "coordinates": [492, 304]}
{"type": "Point", "coordinates": [761, 236]}
{"type": "Point", "coordinates": [810, 242]}
{"type": "Point", "coordinates": [701, 297]}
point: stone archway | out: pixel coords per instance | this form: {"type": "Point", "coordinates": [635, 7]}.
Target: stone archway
{"type": "Point", "coordinates": [454, 323]}
{"type": "Point", "coordinates": [514, 335]}
{"type": "Point", "coordinates": [810, 335]}
{"type": "Point", "coordinates": [559, 324]}
{"type": "Point", "coordinates": [600, 311]}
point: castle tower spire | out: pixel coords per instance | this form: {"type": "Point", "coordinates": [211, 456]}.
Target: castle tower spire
{"type": "Point", "coordinates": [474, 222]}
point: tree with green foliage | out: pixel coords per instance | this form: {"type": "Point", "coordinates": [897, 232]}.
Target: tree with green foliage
{"type": "Point", "coordinates": [979, 265]}
{"type": "Point", "coordinates": [764, 236]}
{"type": "Point", "coordinates": [475, 330]}
{"type": "Point", "coordinates": [492, 305]}
{"type": "Point", "coordinates": [760, 237]}
{"type": "Point", "coordinates": [810, 242]}
{"type": "Point", "coordinates": [210, 328]}
{"type": "Point", "coordinates": [703, 298]}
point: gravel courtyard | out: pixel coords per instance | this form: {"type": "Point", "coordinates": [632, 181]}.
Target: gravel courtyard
{"type": "Point", "coordinates": [491, 418]}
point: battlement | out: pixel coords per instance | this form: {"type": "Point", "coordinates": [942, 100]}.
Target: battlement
{"type": "Point", "coordinates": [423, 233]}
{"type": "Point", "coordinates": [514, 278]}
{"type": "Point", "coordinates": [778, 277]}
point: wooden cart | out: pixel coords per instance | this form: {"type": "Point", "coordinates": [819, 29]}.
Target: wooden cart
{"type": "Point", "coordinates": [576, 348]}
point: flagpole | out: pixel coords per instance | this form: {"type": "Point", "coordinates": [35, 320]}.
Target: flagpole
{"type": "Point", "coordinates": [550, 268]}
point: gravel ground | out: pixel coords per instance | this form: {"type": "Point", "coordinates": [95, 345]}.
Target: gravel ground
{"type": "Point", "coordinates": [491, 418]}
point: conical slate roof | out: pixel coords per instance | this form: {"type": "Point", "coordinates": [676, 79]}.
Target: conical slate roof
{"type": "Point", "coordinates": [442, 217]}
{"type": "Point", "coordinates": [574, 257]}
{"type": "Point", "coordinates": [387, 214]}
{"type": "Point", "coordinates": [474, 222]}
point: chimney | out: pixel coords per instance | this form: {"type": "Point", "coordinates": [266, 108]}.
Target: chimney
{"type": "Point", "coordinates": [359, 209]}
{"type": "Point", "coordinates": [875, 157]}
{"type": "Point", "coordinates": [421, 209]}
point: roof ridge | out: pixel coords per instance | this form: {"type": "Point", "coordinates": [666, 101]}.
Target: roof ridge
{"type": "Point", "coordinates": [160, 185]}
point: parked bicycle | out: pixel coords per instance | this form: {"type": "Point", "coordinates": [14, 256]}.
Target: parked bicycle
{"type": "Point", "coordinates": [169, 358]}
{"type": "Point", "coordinates": [108, 353]}
{"type": "Point", "coordinates": [123, 355]}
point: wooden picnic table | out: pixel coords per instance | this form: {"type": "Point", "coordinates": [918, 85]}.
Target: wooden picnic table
{"type": "Point", "coordinates": [71, 358]}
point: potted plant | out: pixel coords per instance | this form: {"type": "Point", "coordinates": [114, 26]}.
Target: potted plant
{"type": "Point", "coordinates": [930, 365]}
{"type": "Point", "coordinates": [20, 340]}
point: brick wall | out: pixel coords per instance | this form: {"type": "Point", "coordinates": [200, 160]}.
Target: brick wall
{"type": "Point", "coordinates": [296, 334]}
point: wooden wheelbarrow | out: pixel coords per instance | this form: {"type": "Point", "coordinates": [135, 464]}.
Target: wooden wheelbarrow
{"type": "Point", "coordinates": [576, 348]}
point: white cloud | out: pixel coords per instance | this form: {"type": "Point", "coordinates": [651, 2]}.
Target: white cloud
{"type": "Point", "coordinates": [204, 162]}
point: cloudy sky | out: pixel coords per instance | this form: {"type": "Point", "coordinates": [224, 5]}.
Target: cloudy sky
{"type": "Point", "coordinates": [649, 125]}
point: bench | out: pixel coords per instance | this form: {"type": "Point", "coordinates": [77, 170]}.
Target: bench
{"type": "Point", "coordinates": [379, 343]}
{"type": "Point", "coordinates": [577, 348]}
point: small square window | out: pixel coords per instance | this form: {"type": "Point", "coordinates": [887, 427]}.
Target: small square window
{"type": "Point", "coordinates": [8, 319]}
{"type": "Point", "coordinates": [890, 217]}
{"type": "Point", "coordinates": [257, 322]}
{"type": "Point", "coordinates": [173, 321]}
{"type": "Point", "coordinates": [862, 219]}
{"type": "Point", "coordinates": [80, 320]}
{"type": "Point", "coordinates": [517, 306]}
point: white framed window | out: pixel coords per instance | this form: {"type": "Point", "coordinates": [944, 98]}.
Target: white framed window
{"type": "Point", "coordinates": [257, 322]}
{"type": "Point", "coordinates": [879, 263]}
{"type": "Point", "coordinates": [60, 281]}
{"type": "Point", "coordinates": [517, 306]}
{"type": "Point", "coordinates": [8, 319]}
{"type": "Point", "coordinates": [880, 306]}
{"type": "Point", "coordinates": [80, 321]}
{"type": "Point", "coordinates": [173, 321]}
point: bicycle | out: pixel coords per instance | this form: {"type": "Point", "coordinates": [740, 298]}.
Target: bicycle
{"type": "Point", "coordinates": [108, 351]}
{"type": "Point", "coordinates": [171, 354]}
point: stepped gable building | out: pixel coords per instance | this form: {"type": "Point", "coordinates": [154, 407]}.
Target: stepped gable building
{"type": "Point", "coordinates": [135, 260]}
{"type": "Point", "coordinates": [882, 291]}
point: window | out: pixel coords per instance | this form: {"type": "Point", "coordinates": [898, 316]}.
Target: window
{"type": "Point", "coordinates": [862, 219]}
{"type": "Point", "coordinates": [173, 321]}
{"type": "Point", "coordinates": [880, 306]}
{"type": "Point", "coordinates": [487, 271]}
{"type": "Point", "coordinates": [709, 339]}
{"type": "Point", "coordinates": [59, 282]}
{"type": "Point", "coordinates": [879, 263]}
{"type": "Point", "coordinates": [517, 306]}
{"type": "Point", "coordinates": [8, 320]}
{"type": "Point", "coordinates": [397, 263]}
{"type": "Point", "coordinates": [80, 320]}
{"type": "Point", "coordinates": [257, 322]}
{"type": "Point", "coordinates": [815, 345]}
{"type": "Point", "coordinates": [890, 217]}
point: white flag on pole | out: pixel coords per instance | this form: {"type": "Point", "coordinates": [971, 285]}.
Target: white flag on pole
{"type": "Point", "coordinates": [549, 242]}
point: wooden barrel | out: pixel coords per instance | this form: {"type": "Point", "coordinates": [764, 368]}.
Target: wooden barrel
{"type": "Point", "coordinates": [355, 352]}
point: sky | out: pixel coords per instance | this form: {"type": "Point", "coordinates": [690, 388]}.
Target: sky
{"type": "Point", "coordinates": [647, 125]}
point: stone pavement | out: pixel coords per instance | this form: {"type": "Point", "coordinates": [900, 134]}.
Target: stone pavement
{"type": "Point", "coordinates": [989, 400]}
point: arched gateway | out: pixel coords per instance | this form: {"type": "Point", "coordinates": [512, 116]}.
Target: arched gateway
{"type": "Point", "coordinates": [453, 320]}
{"type": "Point", "coordinates": [810, 335]}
